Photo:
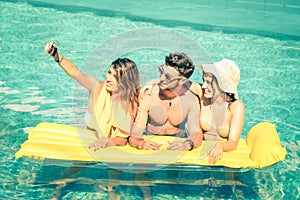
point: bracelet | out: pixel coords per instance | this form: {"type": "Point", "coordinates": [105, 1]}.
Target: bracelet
{"type": "Point", "coordinates": [59, 60]}
{"type": "Point", "coordinates": [191, 143]}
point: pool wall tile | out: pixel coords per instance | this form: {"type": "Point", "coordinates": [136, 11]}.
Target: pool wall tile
{"type": "Point", "coordinates": [292, 2]}
{"type": "Point", "coordinates": [274, 16]}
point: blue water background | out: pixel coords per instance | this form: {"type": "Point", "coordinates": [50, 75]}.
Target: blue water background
{"type": "Point", "coordinates": [34, 89]}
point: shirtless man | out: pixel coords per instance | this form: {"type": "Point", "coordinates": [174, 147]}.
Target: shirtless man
{"type": "Point", "coordinates": [169, 108]}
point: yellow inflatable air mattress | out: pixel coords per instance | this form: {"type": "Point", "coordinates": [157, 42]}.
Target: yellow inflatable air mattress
{"type": "Point", "coordinates": [62, 142]}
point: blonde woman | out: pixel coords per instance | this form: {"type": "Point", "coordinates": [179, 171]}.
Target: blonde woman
{"type": "Point", "coordinates": [112, 104]}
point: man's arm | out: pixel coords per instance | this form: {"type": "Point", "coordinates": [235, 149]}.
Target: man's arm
{"type": "Point", "coordinates": [196, 133]}
{"type": "Point", "coordinates": [136, 135]}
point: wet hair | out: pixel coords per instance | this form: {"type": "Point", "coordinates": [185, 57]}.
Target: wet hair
{"type": "Point", "coordinates": [229, 97]}
{"type": "Point", "coordinates": [181, 62]}
{"type": "Point", "coordinates": [128, 83]}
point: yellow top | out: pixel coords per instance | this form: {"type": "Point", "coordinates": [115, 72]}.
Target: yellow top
{"type": "Point", "coordinates": [63, 142]}
{"type": "Point", "coordinates": [110, 119]}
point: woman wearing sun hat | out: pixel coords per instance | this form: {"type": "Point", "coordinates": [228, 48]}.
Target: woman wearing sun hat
{"type": "Point", "coordinates": [222, 112]}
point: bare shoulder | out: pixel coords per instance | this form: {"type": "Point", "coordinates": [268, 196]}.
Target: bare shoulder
{"type": "Point", "coordinates": [150, 98]}
{"type": "Point", "coordinates": [100, 85]}
{"type": "Point", "coordinates": [191, 98]}
{"type": "Point", "coordinates": [237, 106]}
{"type": "Point", "coordinates": [191, 94]}
{"type": "Point", "coordinates": [195, 88]}
{"type": "Point", "coordinates": [154, 92]}
{"type": "Point", "coordinates": [98, 88]}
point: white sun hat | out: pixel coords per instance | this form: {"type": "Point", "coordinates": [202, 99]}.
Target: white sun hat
{"type": "Point", "coordinates": [227, 74]}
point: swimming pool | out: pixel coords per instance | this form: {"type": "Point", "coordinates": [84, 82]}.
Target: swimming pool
{"type": "Point", "coordinates": [33, 89]}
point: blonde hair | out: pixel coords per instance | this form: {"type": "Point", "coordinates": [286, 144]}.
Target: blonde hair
{"type": "Point", "coordinates": [128, 84]}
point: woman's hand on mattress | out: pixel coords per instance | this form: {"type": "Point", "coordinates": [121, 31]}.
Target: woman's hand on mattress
{"type": "Point", "coordinates": [215, 152]}
{"type": "Point", "coordinates": [99, 143]}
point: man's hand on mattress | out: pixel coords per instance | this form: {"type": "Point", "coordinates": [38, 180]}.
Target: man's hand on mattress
{"type": "Point", "coordinates": [99, 143]}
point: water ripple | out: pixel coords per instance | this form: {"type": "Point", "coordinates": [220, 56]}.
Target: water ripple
{"type": "Point", "coordinates": [34, 89]}
{"type": "Point", "coordinates": [21, 107]}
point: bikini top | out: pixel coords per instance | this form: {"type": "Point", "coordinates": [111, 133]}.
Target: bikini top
{"type": "Point", "coordinates": [211, 132]}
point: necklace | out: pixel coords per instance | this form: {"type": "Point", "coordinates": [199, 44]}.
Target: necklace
{"type": "Point", "coordinates": [165, 97]}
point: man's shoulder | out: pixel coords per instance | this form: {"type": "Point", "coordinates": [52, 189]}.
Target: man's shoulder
{"type": "Point", "coordinates": [150, 97]}
{"type": "Point", "coordinates": [190, 98]}
{"type": "Point", "coordinates": [190, 94]}
{"type": "Point", "coordinates": [153, 93]}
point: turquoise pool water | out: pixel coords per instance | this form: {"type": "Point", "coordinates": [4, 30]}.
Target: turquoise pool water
{"type": "Point", "coordinates": [33, 89]}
